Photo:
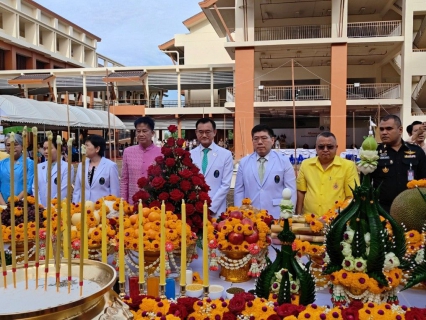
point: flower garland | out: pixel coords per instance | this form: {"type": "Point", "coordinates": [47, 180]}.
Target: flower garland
{"type": "Point", "coordinates": [416, 184]}
{"type": "Point", "coordinates": [245, 306]}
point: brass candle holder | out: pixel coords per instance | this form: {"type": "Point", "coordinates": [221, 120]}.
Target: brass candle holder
{"type": "Point", "coordinates": [206, 291]}
{"type": "Point", "coordinates": [183, 291]}
{"type": "Point", "coordinates": [142, 289]}
{"type": "Point", "coordinates": [122, 293]}
{"type": "Point", "coordinates": [163, 291]}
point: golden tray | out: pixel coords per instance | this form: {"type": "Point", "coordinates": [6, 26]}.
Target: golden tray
{"type": "Point", "coordinates": [84, 308]}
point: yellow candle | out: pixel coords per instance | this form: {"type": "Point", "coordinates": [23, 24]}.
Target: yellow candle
{"type": "Point", "coordinates": [83, 234]}
{"type": "Point", "coordinates": [24, 182]}
{"type": "Point", "coordinates": [205, 247]}
{"type": "Point", "coordinates": [104, 233]}
{"type": "Point", "coordinates": [3, 257]}
{"type": "Point", "coordinates": [37, 215]}
{"type": "Point", "coordinates": [49, 208]}
{"type": "Point", "coordinates": [183, 246]}
{"type": "Point", "coordinates": [68, 229]}
{"type": "Point", "coordinates": [163, 245]}
{"type": "Point", "coordinates": [65, 233]}
{"type": "Point", "coordinates": [59, 212]}
{"type": "Point", "coordinates": [121, 276]}
{"type": "Point", "coordinates": [140, 245]}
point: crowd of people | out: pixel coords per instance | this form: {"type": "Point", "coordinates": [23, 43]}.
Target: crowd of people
{"type": "Point", "coordinates": [261, 176]}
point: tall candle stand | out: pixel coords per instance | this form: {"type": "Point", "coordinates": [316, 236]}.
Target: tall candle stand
{"type": "Point", "coordinates": [142, 289]}
{"type": "Point", "coordinates": [183, 291]}
{"type": "Point", "coordinates": [122, 287]}
{"type": "Point", "coordinates": [163, 291]}
{"type": "Point", "coordinates": [206, 291]}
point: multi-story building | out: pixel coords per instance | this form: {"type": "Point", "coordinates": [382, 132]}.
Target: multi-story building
{"type": "Point", "coordinates": [348, 59]}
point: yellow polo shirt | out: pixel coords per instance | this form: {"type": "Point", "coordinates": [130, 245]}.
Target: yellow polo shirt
{"type": "Point", "coordinates": [3, 155]}
{"type": "Point", "coordinates": [324, 187]}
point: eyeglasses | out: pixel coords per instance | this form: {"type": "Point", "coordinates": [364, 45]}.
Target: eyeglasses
{"type": "Point", "coordinates": [206, 132]}
{"type": "Point", "coordinates": [328, 147]}
{"type": "Point", "coordinates": [263, 138]}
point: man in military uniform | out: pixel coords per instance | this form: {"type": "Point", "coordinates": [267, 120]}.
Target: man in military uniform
{"type": "Point", "coordinates": [399, 162]}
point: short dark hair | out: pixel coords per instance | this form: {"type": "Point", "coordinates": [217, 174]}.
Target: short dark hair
{"type": "Point", "coordinates": [204, 121]}
{"type": "Point", "coordinates": [145, 120]}
{"type": "Point", "coordinates": [53, 142]}
{"type": "Point", "coordinates": [97, 141]}
{"type": "Point", "coordinates": [262, 127]}
{"type": "Point", "coordinates": [327, 134]}
{"type": "Point", "coordinates": [415, 123]}
{"type": "Point", "coordinates": [395, 118]}
{"type": "Point", "coordinates": [410, 129]}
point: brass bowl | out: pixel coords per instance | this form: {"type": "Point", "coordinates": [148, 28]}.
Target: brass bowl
{"type": "Point", "coordinates": [100, 273]}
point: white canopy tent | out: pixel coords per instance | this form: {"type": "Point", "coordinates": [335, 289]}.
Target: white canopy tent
{"type": "Point", "coordinates": [26, 111]}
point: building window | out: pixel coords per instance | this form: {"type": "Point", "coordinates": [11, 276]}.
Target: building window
{"type": "Point", "coordinates": [2, 58]}
{"type": "Point", "coordinates": [1, 20]}
{"type": "Point", "coordinates": [57, 45]}
{"type": "Point", "coordinates": [22, 29]}
{"type": "Point", "coordinates": [21, 62]}
{"type": "Point", "coordinates": [40, 37]}
{"type": "Point", "coordinates": [40, 64]}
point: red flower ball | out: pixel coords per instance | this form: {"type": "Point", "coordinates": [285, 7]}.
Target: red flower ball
{"type": "Point", "coordinates": [170, 162]}
{"type": "Point", "coordinates": [237, 304]}
{"type": "Point", "coordinates": [174, 179]}
{"type": "Point", "coordinates": [185, 173]}
{"type": "Point", "coordinates": [158, 182]}
{"type": "Point", "coordinates": [142, 182]}
{"type": "Point", "coordinates": [172, 128]}
{"type": "Point", "coordinates": [176, 195]}
{"type": "Point", "coordinates": [163, 196]}
{"type": "Point", "coordinates": [185, 185]}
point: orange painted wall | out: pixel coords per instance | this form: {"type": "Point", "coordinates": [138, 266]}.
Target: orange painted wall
{"type": "Point", "coordinates": [128, 110]}
{"type": "Point", "coordinates": [244, 100]}
{"type": "Point", "coordinates": [339, 71]}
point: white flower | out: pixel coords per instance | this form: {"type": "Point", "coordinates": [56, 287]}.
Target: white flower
{"type": "Point", "coordinates": [275, 287]}
{"type": "Point", "coordinates": [346, 249]}
{"type": "Point", "coordinates": [368, 155]}
{"type": "Point", "coordinates": [294, 286]}
{"type": "Point", "coordinates": [367, 250]}
{"type": "Point", "coordinates": [348, 264]}
{"type": "Point", "coordinates": [367, 238]}
{"type": "Point", "coordinates": [327, 258]}
{"type": "Point", "coordinates": [348, 236]}
{"type": "Point", "coordinates": [360, 264]}
{"type": "Point", "coordinates": [420, 256]}
{"type": "Point", "coordinates": [391, 261]}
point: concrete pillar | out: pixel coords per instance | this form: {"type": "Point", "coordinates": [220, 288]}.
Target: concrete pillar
{"type": "Point", "coordinates": [244, 101]}
{"type": "Point", "coordinates": [339, 71]}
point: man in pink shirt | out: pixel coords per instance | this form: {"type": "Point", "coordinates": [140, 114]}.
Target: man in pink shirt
{"type": "Point", "coordinates": [137, 159]}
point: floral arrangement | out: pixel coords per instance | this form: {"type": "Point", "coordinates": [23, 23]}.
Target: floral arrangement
{"type": "Point", "coordinates": [173, 178]}
{"type": "Point", "coordinates": [416, 184]}
{"type": "Point", "coordinates": [246, 306]}
{"type": "Point", "coordinates": [19, 219]}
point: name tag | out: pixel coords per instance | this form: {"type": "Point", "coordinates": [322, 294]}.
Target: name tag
{"type": "Point", "coordinates": [384, 157]}
{"type": "Point", "coordinates": [409, 156]}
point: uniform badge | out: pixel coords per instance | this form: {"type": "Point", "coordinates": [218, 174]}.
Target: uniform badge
{"type": "Point", "coordinates": [55, 181]}
{"type": "Point", "coordinates": [277, 179]}
{"type": "Point", "coordinates": [216, 173]}
{"type": "Point", "coordinates": [43, 167]}
{"type": "Point", "coordinates": [410, 152]}
{"type": "Point", "coordinates": [385, 170]}
{"type": "Point", "coordinates": [391, 162]}
{"type": "Point", "coordinates": [335, 186]}
{"type": "Point", "coordinates": [102, 181]}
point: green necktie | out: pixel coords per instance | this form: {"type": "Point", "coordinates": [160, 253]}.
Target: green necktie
{"type": "Point", "coordinates": [205, 160]}
{"type": "Point", "coordinates": [261, 168]}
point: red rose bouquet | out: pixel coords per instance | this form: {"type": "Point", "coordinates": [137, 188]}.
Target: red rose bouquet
{"type": "Point", "coordinates": [173, 178]}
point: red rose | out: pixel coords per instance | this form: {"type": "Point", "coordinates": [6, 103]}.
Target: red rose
{"type": "Point", "coordinates": [195, 169]}
{"type": "Point", "coordinates": [163, 196]}
{"type": "Point", "coordinates": [246, 295]}
{"type": "Point", "coordinates": [229, 316]}
{"type": "Point", "coordinates": [185, 173]}
{"type": "Point", "coordinates": [189, 209]}
{"type": "Point", "coordinates": [185, 185]}
{"type": "Point", "coordinates": [178, 310]}
{"type": "Point", "coordinates": [205, 187]}
{"type": "Point", "coordinates": [170, 162]}
{"type": "Point", "coordinates": [179, 152]}
{"type": "Point", "coordinates": [414, 314]}
{"type": "Point", "coordinates": [199, 206]}
{"type": "Point", "coordinates": [159, 160]}
{"type": "Point", "coordinates": [171, 142]}
{"type": "Point", "coordinates": [187, 162]}
{"type": "Point", "coordinates": [154, 170]}
{"type": "Point", "coordinates": [142, 182]}
{"type": "Point", "coordinates": [196, 180]}
{"type": "Point", "coordinates": [136, 301]}
{"type": "Point", "coordinates": [180, 142]}
{"type": "Point", "coordinates": [170, 207]}
{"type": "Point", "coordinates": [188, 303]}
{"type": "Point", "coordinates": [172, 129]}
{"type": "Point", "coordinates": [273, 317]}
{"type": "Point", "coordinates": [287, 309]}
{"type": "Point", "coordinates": [142, 195]}
{"type": "Point", "coordinates": [203, 196]}
{"type": "Point", "coordinates": [158, 182]}
{"type": "Point", "coordinates": [174, 179]}
{"type": "Point", "coordinates": [166, 151]}
{"type": "Point", "coordinates": [155, 203]}
{"type": "Point", "coordinates": [350, 313]}
{"type": "Point", "coordinates": [356, 304]}
{"type": "Point", "coordinates": [176, 195]}
{"type": "Point", "coordinates": [197, 221]}
{"type": "Point", "coordinates": [192, 196]}
{"type": "Point", "coordinates": [237, 304]}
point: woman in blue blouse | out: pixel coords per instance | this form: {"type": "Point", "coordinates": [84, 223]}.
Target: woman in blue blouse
{"type": "Point", "coordinates": [19, 171]}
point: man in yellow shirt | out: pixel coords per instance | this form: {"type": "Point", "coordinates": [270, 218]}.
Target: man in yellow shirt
{"type": "Point", "coordinates": [324, 179]}
{"type": "Point", "coordinates": [3, 155]}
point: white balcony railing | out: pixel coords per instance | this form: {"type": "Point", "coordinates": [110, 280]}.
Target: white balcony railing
{"type": "Point", "coordinates": [375, 29]}
{"type": "Point", "coordinates": [292, 32]}
{"type": "Point", "coordinates": [419, 50]}
{"type": "Point", "coordinates": [284, 93]}
{"type": "Point", "coordinates": [373, 91]}
{"type": "Point", "coordinates": [418, 88]}
{"type": "Point", "coordinates": [185, 104]}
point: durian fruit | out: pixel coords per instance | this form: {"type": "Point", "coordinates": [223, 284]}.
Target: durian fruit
{"type": "Point", "coordinates": [409, 208]}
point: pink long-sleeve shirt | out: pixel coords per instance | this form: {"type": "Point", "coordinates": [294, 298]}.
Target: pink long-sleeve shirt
{"type": "Point", "coordinates": [136, 161]}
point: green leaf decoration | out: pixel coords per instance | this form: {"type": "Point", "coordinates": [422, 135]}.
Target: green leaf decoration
{"type": "Point", "coordinates": [284, 295]}
{"type": "Point", "coordinates": [418, 275]}
{"type": "Point", "coordinates": [263, 283]}
{"type": "Point", "coordinates": [379, 277]}
{"type": "Point", "coordinates": [376, 256]}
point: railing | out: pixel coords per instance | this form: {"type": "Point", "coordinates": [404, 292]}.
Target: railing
{"type": "Point", "coordinates": [185, 104]}
{"type": "Point", "coordinates": [230, 94]}
{"type": "Point", "coordinates": [375, 29]}
{"type": "Point", "coordinates": [292, 32]}
{"type": "Point", "coordinates": [419, 50]}
{"type": "Point", "coordinates": [373, 91]}
{"type": "Point", "coordinates": [397, 61]}
{"type": "Point", "coordinates": [420, 33]}
{"type": "Point", "coordinates": [418, 88]}
{"type": "Point", "coordinates": [284, 93]}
